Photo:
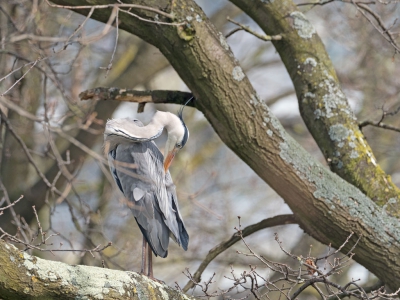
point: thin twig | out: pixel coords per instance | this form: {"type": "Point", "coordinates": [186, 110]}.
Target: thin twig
{"type": "Point", "coordinates": [379, 123]}
{"type": "Point", "coordinates": [115, 12]}
{"type": "Point", "coordinates": [80, 26]}
{"type": "Point", "coordinates": [260, 36]}
{"type": "Point", "coordinates": [157, 11]}
{"type": "Point", "coordinates": [28, 155]}
{"type": "Point", "coordinates": [380, 26]}
{"type": "Point", "coordinates": [19, 79]}
{"type": "Point", "coordinates": [14, 239]}
{"type": "Point", "coordinates": [11, 208]}
{"type": "Point", "coordinates": [233, 31]}
{"type": "Point", "coordinates": [12, 204]}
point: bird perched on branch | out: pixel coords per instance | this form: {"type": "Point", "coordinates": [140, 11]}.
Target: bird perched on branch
{"type": "Point", "coordinates": [141, 173]}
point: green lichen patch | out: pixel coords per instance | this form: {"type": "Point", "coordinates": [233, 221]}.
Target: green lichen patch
{"type": "Point", "coordinates": [338, 132]}
{"type": "Point", "coordinates": [335, 192]}
{"type": "Point", "coordinates": [186, 32]}
{"type": "Point", "coordinates": [334, 101]}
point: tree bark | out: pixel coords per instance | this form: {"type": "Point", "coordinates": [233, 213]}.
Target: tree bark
{"type": "Point", "coordinates": [328, 207]}
{"type": "Point", "coordinates": [23, 276]}
{"type": "Point", "coordinates": [323, 105]}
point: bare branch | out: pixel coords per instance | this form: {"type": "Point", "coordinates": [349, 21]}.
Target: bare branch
{"type": "Point", "coordinates": [157, 11]}
{"type": "Point", "coordinates": [214, 252]}
{"type": "Point", "coordinates": [14, 215]}
{"type": "Point", "coordinates": [380, 123]}
{"type": "Point", "coordinates": [379, 26]}
{"type": "Point", "coordinates": [16, 240]}
{"type": "Point", "coordinates": [12, 204]}
{"type": "Point", "coordinates": [263, 37]}
{"type": "Point", "coordinates": [233, 31]}
{"type": "Point", "coordinates": [129, 95]}
{"type": "Point", "coordinates": [28, 155]}
{"type": "Point", "coordinates": [114, 15]}
{"type": "Point", "coordinates": [330, 1]}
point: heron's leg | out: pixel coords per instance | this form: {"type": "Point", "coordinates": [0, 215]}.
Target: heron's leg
{"type": "Point", "coordinates": [144, 250]}
{"type": "Point", "coordinates": [150, 252]}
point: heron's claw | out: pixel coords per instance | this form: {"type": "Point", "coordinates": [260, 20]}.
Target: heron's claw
{"type": "Point", "coordinates": [157, 280]}
{"type": "Point", "coordinates": [152, 278]}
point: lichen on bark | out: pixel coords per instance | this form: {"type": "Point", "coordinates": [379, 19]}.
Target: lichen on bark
{"type": "Point", "coordinates": [23, 276]}
{"type": "Point", "coordinates": [323, 105]}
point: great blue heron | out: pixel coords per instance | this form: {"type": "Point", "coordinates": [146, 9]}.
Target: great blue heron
{"type": "Point", "coordinates": [141, 173]}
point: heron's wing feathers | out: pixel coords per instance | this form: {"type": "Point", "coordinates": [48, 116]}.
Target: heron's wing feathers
{"type": "Point", "coordinates": [167, 198]}
{"type": "Point", "coordinates": [111, 159]}
{"type": "Point", "coordinates": [151, 224]}
{"type": "Point", "coordinates": [183, 235]}
{"type": "Point", "coordinates": [152, 203]}
{"type": "Point", "coordinates": [134, 131]}
{"type": "Point", "coordinates": [132, 177]}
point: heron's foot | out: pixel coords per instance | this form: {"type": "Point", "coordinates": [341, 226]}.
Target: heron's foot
{"type": "Point", "coordinates": [157, 280]}
{"type": "Point", "coordinates": [152, 278]}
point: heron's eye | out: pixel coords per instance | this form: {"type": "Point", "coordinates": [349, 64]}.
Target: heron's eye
{"type": "Point", "coordinates": [178, 145]}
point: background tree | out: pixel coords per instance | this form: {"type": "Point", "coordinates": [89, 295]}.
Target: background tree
{"type": "Point", "coordinates": [51, 55]}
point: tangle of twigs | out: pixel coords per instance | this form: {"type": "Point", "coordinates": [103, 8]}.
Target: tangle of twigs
{"type": "Point", "coordinates": [289, 281]}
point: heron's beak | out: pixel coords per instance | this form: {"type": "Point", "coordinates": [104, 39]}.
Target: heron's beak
{"type": "Point", "coordinates": [168, 159]}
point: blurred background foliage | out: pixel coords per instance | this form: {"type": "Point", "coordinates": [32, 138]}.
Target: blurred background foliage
{"type": "Point", "coordinates": [47, 59]}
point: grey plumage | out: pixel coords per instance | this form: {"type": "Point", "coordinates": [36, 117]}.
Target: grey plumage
{"type": "Point", "coordinates": [137, 168]}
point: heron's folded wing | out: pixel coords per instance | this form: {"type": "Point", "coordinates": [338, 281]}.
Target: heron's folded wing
{"type": "Point", "coordinates": [138, 188]}
{"type": "Point", "coordinates": [171, 192]}
{"type": "Point", "coordinates": [111, 159]}
{"type": "Point", "coordinates": [153, 228]}
{"type": "Point", "coordinates": [167, 199]}
{"type": "Point", "coordinates": [156, 169]}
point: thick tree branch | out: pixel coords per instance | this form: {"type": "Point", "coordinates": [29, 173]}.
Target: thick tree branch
{"type": "Point", "coordinates": [24, 276]}
{"type": "Point", "coordinates": [323, 105]}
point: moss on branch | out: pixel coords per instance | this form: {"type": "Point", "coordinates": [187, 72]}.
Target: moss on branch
{"type": "Point", "coordinates": [23, 276]}
{"type": "Point", "coordinates": [323, 105]}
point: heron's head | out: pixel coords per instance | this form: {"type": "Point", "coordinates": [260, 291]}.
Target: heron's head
{"type": "Point", "coordinates": [178, 135]}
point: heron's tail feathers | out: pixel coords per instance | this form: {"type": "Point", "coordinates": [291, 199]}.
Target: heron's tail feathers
{"type": "Point", "coordinates": [182, 239]}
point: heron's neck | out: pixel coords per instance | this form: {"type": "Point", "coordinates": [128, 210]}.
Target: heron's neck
{"type": "Point", "coordinates": [162, 119]}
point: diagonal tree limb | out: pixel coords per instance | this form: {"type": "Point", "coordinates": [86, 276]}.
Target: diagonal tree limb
{"type": "Point", "coordinates": [323, 105]}
{"type": "Point", "coordinates": [217, 250]}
